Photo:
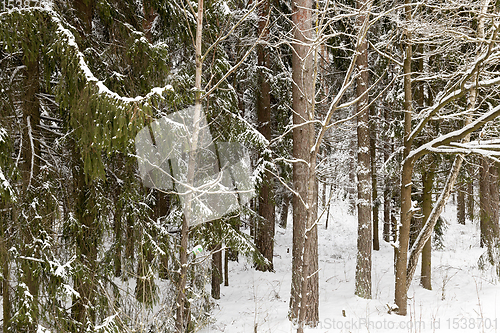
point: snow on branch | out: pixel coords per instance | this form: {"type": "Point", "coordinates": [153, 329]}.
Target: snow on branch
{"type": "Point", "coordinates": [67, 36]}
{"type": "Point", "coordinates": [464, 87]}
{"type": "Point", "coordinates": [443, 140]}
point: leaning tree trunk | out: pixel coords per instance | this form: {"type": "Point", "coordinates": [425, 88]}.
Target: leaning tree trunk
{"type": "Point", "coordinates": [430, 223]}
{"type": "Point", "coordinates": [428, 228]}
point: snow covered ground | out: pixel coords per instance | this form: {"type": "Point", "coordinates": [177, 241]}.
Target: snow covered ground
{"type": "Point", "coordinates": [463, 299]}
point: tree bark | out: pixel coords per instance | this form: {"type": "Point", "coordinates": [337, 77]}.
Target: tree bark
{"type": "Point", "coordinates": [406, 179]}
{"type": "Point", "coordinates": [265, 229]}
{"type": "Point", "coordinates": [216, 272]}
{"type": "Point", "coordinates": [460, 203]}
{"type": "Point", "coordinates": [428, 183]}
{"type": "Point", "coordinates": [328, 208]}
{"type": "Point", "coordinates": [351, 187]}
{"type": "Point", "coordinates": [484, 200]}
{"type": "Point", "coordinates": [4, 257]}
{"type": "Point", "coordinates": [84, 10]}
{"type": "Point", "coordinates": [130, 243]}
{"type": "Point", "coordinates": [144, 286]}
{"type": "Point", "coordinates": [117, 226]}
{"type": "Point", "coordinates": [226, 267]}
{"type": "Point", "coordinates": [162, 209]}
{"type": "Point", "coordinates": [373, 163]}
{"type": "Point", "coordinates": [364, 243]}
{"type": "Point", "coordinates": [387, 185]}
{"type": "Point", "coordinates": [489, 202]}
{"type": "Point", "coordinates": [86, 244]}
{"type": "Point", "coordinates": [30, 170]}
{"type": "Point", "coordinates": [287, 198]}
{"type": "Point", "coordinates": [304, 296]}
{"type": "Point", "coordinates": [323, 194]}
{"type": "Point", "coordinates": [470, 194]}
{"type": "Point", "coordinates": [181, 321]}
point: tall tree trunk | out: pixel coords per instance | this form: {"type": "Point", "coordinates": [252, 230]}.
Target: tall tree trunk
{"type": "Point", "coordinates": [226, 267]}
{"type": "Point", "coordinates": [287, 198]}
{"type": "Point", "coordinates": [84, 10]}
{"type": "Point", "coordinates": [364, 257]}
{"type": "Point", "coordinates": [461, 203]}
{"type": "Point", "coordinates": [131, 237]}
{"type": "Point", "coordinates": [489, 202]}
{"type": "Point", "coordinates": [427, 177]}
{"type": "Point", "coordinates": [265, 229]}
{"type": "Point", "coordinates": [117, 226]}
{"type": "Point", "coordinates": [304, 296]}
{"type": "Point", "coordinates": [149, 16]}
{"type": "Point", "coordinates": [86, 244]}
{"type": "Point", "coordinates": [351, 187]}
{"type": "Point", "coordinates": [4, 257]}
{"type": "Point", "coordinates": [470, 193]}
{"type": "Point", "coordinates": [484, 200]}
{"type": "Point", "coordinates": [387, 184]}
{"type": "Point", "coordinates": [406, 178]}
{"type": "Point", "coordinates": [328, 208]}
{"type": "Point", "coordinates": [428, 183]}
{"type": "Point", "coordinates": [216, 272]}
{"type": "Point", "coordinates": [495, 202]}
{"type": "Point", "coordinates": [144, 286]}
{"type": "Point", "coordinates": [484, 189]}
{"type": "Point", "coordinates": [30, 169]}
{"type": "Point", "coordinates": [162, 209]}
{"type": "Point", "coordinates": [181, 321]}
{"type": "Point", "coordinates": [373, 163]}
{"type": "Point", "coordinates": [86, 238]}
{"type": "Point", "coordinates": [6, 305]}
{"type": "Point", "coordinates": [323, 195]}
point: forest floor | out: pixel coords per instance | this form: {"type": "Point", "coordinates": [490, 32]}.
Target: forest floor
{"type": "Point", "coordinates": [463, 299]}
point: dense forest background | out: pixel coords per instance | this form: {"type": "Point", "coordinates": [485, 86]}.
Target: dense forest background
{"type": "Point", "coordinates": [392, 105]}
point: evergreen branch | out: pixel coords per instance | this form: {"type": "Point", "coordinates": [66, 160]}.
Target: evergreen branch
{"type": "Point", "coordinates": [67, 36]}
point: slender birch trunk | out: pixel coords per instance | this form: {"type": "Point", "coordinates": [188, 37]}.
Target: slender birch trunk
{"type": "Point", "coordinates": [180, 321]}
